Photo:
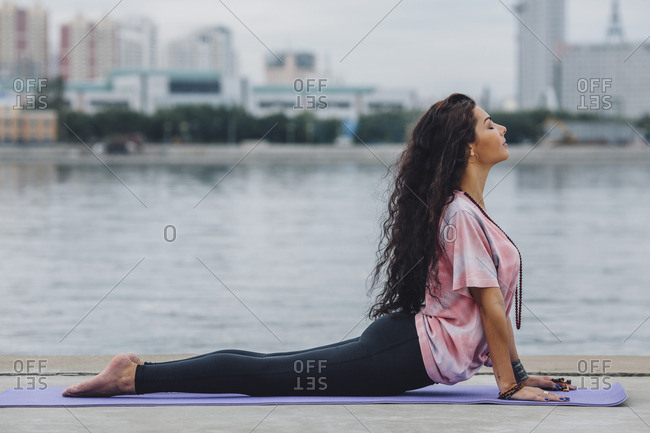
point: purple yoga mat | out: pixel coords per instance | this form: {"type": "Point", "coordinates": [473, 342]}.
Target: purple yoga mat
{"type": "Point", "coordinates": [457, 394]}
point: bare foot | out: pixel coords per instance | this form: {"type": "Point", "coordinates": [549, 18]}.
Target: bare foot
{"type": "Point", "coordinates": [117, 378]}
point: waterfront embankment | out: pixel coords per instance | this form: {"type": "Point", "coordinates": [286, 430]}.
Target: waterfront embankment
{"type": "Point", "coordinates": [253, 153]}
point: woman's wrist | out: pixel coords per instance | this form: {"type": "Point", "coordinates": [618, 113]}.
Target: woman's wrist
{"type": "Point", "coordinates": [510, 391]}
{"type": "Point", "coordinates": [506, 386]}
{"type": "Point", "coordinates": [519, 371]}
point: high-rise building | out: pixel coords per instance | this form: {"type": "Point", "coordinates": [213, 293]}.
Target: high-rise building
{"type": "Point", "coordinates": [23, 41]}
{"type": "Point", "coordinates": [209, 49]}
{"type": "Point", "coordinates": [137, 43]}
{"type": "Point", "coordinates": [286, 66]}
{"type": "Point", "coordinates": [88, 51]}
{"type": "Point", "coordinates": [541, 36]}
{"type": "Point", "coordinates": [607, 78]}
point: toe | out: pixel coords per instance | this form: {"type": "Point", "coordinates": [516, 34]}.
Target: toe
{"type": "Point", "coordinates": [134, 358]}
{"type": "Point", "coordinates": [69, 391]}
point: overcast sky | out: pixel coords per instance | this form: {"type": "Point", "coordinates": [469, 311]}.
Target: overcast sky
{"type": "Point", "coordinates": [435, 47]}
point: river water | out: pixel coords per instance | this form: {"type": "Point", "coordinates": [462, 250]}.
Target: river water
{"type": "Point", "coordinates": [276, 257]}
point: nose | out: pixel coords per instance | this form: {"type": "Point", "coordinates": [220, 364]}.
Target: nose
{"type": "Point", "coordinates": [504, 130]}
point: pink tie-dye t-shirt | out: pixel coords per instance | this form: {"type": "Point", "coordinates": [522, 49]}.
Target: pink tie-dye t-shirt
{"type": "Point", "coordinates": [476, 254]}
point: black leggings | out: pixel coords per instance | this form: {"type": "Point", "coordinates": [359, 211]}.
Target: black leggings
{"type": "Point", "coordinates": [384, 360]}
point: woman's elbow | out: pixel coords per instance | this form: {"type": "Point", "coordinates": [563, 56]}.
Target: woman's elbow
{"type": "Point", "coordinates": [489, 299]}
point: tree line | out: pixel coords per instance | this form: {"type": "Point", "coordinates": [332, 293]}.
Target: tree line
{"type": "Point", "coordinates": [209, 124]}
{"type": "Point", "coordinates": [214, 125]}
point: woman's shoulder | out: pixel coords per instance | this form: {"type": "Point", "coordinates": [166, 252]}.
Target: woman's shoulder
{"type": "Point", "coordinates": [460, 203]}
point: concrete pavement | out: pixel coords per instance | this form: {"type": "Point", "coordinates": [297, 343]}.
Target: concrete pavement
{"type": "Point", "coordinates": [631, 416]}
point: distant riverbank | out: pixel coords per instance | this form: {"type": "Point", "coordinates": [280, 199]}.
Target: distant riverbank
{"type": "Point", "coordinates": [197, 154]}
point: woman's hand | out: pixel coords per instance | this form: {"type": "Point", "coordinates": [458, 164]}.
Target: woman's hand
{"type": "Point", "coordinates": [536, 394]}
{"type": "Point", "coordinates": [545, 382]}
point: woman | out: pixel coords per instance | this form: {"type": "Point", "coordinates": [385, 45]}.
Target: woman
{"type": "Point", "coordinates": [442, 312]}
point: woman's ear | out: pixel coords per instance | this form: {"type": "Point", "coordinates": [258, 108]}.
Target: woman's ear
{"type": "Point", "coordinates": [472, 153]}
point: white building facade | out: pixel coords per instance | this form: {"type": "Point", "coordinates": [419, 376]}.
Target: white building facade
{"type": "Point", "coordinates": [607, 79]}
{"type": "Point", "coordinates": [137, 43]}
{"type": "Point", "coordinates": [209, 49]}
{"type": "Point", "coordinates": [325, 101]}
{"type": "Point", "coordinates": [147, 90]}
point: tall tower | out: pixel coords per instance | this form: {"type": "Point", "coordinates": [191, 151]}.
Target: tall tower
{"type": "Point", "coordinates": [23, 41]}
{"type": "Point", "coordinates": [540, 36]}
{"type": "Point", "coordinates": [85, 54]}
{"type": "Point", "coordinates": [615, 29]}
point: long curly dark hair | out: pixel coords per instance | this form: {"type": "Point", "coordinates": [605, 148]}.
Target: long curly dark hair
{"type": "Point", "coordinates": [430, 168]}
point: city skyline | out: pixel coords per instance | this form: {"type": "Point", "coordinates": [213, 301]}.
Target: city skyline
{"type": "Point", "coordinates": [468, 62]}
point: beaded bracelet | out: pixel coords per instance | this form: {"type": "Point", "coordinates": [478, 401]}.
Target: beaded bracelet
{"type": "Point", "coordinates": [508, 393]}
{"type": "Point", "coordinates": [564, 385]}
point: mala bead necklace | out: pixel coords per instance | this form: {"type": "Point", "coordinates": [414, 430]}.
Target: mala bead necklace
{"type": "Point", "coordinates": [518, 295]}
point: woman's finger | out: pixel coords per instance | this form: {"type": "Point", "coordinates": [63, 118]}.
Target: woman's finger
{"type": "Point", "coordinates": [549, 396]}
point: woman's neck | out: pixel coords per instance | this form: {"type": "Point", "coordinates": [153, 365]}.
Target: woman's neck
{"type": "Point", "coordinates": [472, 181]}
{"type": "Point", "coordinates": [475, 190]}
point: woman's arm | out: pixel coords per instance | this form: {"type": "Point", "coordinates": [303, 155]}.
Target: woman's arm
{"type": "Point", "coordinates": [493, 314]}
{"type": "Point", "coordinates": [500, 339]}
{"type": "Point", "coordinates": [511, 341]}
{"type": "Point", "coordinates": [538, 381]}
